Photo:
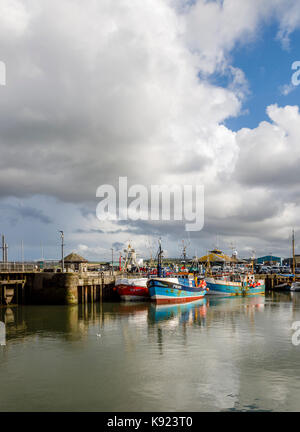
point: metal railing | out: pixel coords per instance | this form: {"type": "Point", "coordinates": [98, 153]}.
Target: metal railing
{"type": "Point", "coordinates": [17, 267]}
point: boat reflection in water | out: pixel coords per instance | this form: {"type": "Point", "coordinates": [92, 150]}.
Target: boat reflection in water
{"type": "Point", "coordinates": [176, 314]}
{"type": "Point", "coordinates": [235, 302]}
{"type": "Point", "coordinates": [76, 322]}
{"type": "Point", "coordinates": [232, 353]}
{"type": "Point", "coordinates": [198, 312]}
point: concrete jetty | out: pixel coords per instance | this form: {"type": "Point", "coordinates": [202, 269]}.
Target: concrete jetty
{"type": "Point", "coordinates": [35, 287]}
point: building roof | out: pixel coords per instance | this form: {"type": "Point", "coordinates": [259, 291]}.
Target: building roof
{"type": "Point", "coordinates": [74, 258]}
{"type": "Point", "coordinates": [269, 258]}
{"type": "Point", "coordinates": [237, 260]}
{"type": "Point", "coordinates": [216, 256]}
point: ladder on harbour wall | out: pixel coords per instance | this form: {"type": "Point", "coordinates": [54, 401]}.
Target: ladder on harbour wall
{"type": "Point", "coordinates": [11, 289]}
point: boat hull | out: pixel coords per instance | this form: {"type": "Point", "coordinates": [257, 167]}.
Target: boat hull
{"type": "Point", "coordinates": [224, 288]}
{"type": "Point", "coordinates": [133, 292]}
{"type": "Point", "coordinates": [164, 292]}
{"type": "Point", "coordinates": [295, 286]}
{"type": "Point", "coordinates": [282, 287]}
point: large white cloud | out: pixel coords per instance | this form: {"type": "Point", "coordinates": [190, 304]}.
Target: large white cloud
{"type": "Point", "coordinates": [94, 92]}
{"type": "Point", "coordinates": [116, 88]}
{"type": "Point", "coordinates": [270, 154]}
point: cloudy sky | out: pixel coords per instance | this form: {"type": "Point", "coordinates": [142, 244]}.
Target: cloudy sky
{"type": "Point", "coordinates": [160, 91]}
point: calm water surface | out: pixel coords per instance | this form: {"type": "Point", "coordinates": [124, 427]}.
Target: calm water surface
{"type": "Point", "coordinates": [216, 354]}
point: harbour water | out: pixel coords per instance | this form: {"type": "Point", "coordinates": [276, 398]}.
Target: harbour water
{"type": "Point", "coordinates": [215, 354]}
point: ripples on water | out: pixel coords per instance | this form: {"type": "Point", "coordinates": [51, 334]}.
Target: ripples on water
{"type": "Point", "coordinates": [216, 354]}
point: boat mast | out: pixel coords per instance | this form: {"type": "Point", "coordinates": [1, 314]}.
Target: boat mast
{"type": "Point", "coordinates": [120, 262]}
{"type": "Point", "coordinates": [294, 263]}
{"type": "Point", "coordinates": [159, 259]}
{"type": "Point", "coordinates": [208, 271]}
{"type": "Point", "coordinates": [252, 260]}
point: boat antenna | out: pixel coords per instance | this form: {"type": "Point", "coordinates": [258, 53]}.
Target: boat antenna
{"type": "Point", "coordinates": [159, 259]}
{"type": "Point", "coordinates": [252, 260]}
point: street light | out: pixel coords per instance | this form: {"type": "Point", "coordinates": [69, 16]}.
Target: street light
{"type": "Point", "coordinates": [62, 251]}
{"type": "Point", "coordinates": [112, 261]}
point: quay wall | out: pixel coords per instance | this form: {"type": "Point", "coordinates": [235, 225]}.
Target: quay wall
{"type": "Point", "coordinates": [57, 288]}
{"type": "Point", "coordinates": [51, 288]}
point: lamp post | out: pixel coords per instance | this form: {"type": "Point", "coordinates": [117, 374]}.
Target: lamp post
{"type": "Point", "coordinates": [112, 261]}
{"type": "Point", "coordinates": [3, 248]}
{"type": "Point", "coordinates": [22, 254]}
{"type": "Point", "coordinates": [62, 251]}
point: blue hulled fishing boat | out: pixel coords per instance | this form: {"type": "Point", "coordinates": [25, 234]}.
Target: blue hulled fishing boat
{"type": "Point", "coordinates": [235, 285]}
{"type": "Point", "coordinates": [176, 289]}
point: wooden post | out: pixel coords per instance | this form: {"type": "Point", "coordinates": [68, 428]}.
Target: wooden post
{"type": "Point", "coordinates": [86, 303]}
{"type": "Point", "coordinates": [101, 289]}
{"type": "Point", "coordinates": [94, 306]}
{"type": "Point", "coordinates": [23, 289]}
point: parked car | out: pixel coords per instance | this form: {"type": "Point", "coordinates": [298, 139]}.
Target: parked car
{"type": "Point", "coordinates": [264, 270]}
{"type": "Point", "coordinates": [285, 270]}
{"type": "Point", "coordinates": [241, 268]}
{"type": "Point", "coordinates": [257, 268]}
{"type": "Point", "coordinates": [227, 269]}
{"type": "Point", "coordinates": [275, 269]}
{"type": "Point", "coordinates": [216, 269]}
